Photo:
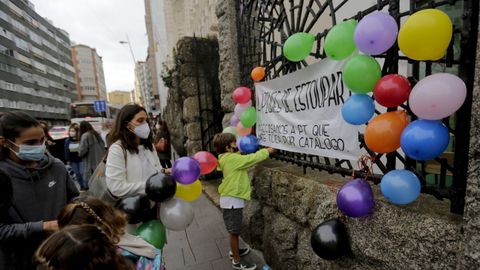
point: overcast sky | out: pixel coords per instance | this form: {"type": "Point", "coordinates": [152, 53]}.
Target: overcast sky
{"type": "Point", "coordinates": [102, 24]}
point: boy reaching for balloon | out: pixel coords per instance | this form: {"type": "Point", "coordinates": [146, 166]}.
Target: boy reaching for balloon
{"type": "Point", "coordinates": [235, 190]}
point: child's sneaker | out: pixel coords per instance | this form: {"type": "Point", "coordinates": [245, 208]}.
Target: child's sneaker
{"type": "Point", "coordinates": [243, 265]}
{"type": "Point", "coordinates": [242, 251]}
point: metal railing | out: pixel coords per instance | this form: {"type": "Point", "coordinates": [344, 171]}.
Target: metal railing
{"type": "Point", "coordinates": [264, 25]}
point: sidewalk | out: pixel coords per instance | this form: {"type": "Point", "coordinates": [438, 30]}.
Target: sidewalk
{"type": "Point", "coordinates": [204, 245]}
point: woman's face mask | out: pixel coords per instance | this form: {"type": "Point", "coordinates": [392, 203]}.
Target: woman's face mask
{"type": "Point", "coordinates": [73, 134]}
{"type": "Point", "coordinates": [29, 152]}
{"type": "Point", "coordinates": [142, 131]}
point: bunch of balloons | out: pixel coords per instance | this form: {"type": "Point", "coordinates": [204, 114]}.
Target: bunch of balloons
{"type": "Point", "coordinates": [245, 116]}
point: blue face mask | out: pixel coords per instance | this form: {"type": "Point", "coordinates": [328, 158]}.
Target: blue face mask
{"type": "Point", "coordinates": [30, 152]}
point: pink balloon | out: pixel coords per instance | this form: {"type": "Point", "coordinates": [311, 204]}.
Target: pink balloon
{"type": "Point", "coordinates": [208, 162]}
{"type": "Point", "coordinates": [242, 95]}
{"type": "Point", "coordinates": [234, 120]}
{"type": "Point", "coordinates": [243, 131]}
{"type": "Point", "coordinates": [437, 96]}
{"type": "Point", "coordinates": [240, 108]}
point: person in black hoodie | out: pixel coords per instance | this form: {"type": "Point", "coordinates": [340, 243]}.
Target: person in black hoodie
{"type": "Point", "coordinates": [41, 188]}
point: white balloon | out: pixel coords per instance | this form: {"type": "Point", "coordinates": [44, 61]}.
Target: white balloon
{"type": "Point", "coordinates": [437, 96]}
{"type": "Point", "coordinates": [240, 108]}
{"type": "Point", "coordinates": [176, 214]}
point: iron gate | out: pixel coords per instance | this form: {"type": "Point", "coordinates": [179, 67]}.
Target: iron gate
{"type": "Point", "coordinates": [264, 25]}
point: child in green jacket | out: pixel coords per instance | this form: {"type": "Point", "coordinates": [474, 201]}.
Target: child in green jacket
{"type": "Point", "coordinates": [235, 190]}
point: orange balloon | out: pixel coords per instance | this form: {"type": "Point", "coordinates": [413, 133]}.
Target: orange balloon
{"type": "Point", "coordinates": [382, 134]}
{"type": "Point", "coordinates": [243, 131]}
{"type": "Point", "coordinates": [258, 74]}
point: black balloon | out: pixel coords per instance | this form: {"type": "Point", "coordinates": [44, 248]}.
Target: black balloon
{"type": "Point", "coordinates": [136, 207]}
{"type": "Point", "coordinates": [160, 187]}
{"type": "Point", "coordinates": [330, 240]}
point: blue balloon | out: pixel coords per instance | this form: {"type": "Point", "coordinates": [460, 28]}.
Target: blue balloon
{"type": "Point", "coordinates": [424, 139]}
{"type": "Point", "coordinates": [358, 109]}
{"type": "Point", "coordinates": [400, 187]}
{"type": "Point", "coordinates": [248, 144]}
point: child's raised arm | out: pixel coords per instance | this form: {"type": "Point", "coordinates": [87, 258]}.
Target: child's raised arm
{"type": "Point", "coordinates": [247, 161]}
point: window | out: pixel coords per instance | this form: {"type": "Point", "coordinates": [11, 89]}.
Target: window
{"type": "Point", "coordinates": [8, 68]}
{"type": "Point", "coordinates": [36, 38]}
{"type": "Point", "coordinates": [22, 44]}
{"type": "Point", "coordinates": [5, 33]}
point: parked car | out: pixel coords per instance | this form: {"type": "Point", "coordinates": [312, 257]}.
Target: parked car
{"type": "Point", "coordinates": [58, 132]}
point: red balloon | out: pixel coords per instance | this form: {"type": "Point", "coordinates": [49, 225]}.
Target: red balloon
{"type": "Point", "coordinates": [392, 90]}
{"type": "Point", "coordinates": [242, 95]}
{"type": "Point", "coordinates": [208, 162]}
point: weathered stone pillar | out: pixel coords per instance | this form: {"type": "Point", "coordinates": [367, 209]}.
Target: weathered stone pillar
{"type": "Point", "coordinates": [471, 230]}
{"type": "Point", "coordinates": [229, 68]}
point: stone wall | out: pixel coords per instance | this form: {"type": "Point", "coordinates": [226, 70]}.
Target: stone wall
{"type": "Point", "coordinates": [194, 86]}
{"type": "Point", "coordinates": [229, 69]}
{"type": "Point", "coordinates": [287, 205]}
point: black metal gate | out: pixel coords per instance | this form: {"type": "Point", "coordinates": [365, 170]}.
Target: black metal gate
{"type": "Point", "coordinates": [264, 25]}
{"type": "Point", "coordinates": [206, 57]}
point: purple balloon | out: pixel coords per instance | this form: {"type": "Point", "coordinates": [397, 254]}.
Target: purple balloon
{"type": "Point", "coordinates": [186, 170]}
{"type": "Point", "coordinates": [375, 33]}
{"type": "Point", "coordinates": [355, 198]}
{"type": "Point", "coordinates": [234, 120]}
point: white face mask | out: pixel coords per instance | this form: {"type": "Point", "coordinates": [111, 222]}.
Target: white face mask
{"type": "Point", "coordinates": [157, 126]}
{"type": "Point", "coordinates": [142, 131]}
{"type": "Point", "coordinates": [73, 134]}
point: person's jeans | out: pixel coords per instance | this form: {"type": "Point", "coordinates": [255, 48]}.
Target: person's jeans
{"type": "Point", "coordinates": [77, 168]}
{"type": "Point", "coordinates": [166, 163]}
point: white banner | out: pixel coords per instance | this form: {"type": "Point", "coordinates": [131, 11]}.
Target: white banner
{"type": "Point", "coordinates": [301, 112]}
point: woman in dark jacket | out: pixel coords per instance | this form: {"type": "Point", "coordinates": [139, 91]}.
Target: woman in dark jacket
{"type": "Point", "coordinates": [40, 186]}
{"type": "Point", "coordinates": [92, 149]}
{"type": "Point", "coordinates": [72, 146]}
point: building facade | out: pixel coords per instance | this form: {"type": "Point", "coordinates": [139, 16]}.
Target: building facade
{"type": "Point", "coordinates": [89, 74]}
{"type": "Point", "coordinates": [120, 98]}
{"type": "Point", "coordinates": [165, 30]}
{"type": "Point", "coordinates": [143, 87]}
{"type": "Point", "coordinates": [36, 70]}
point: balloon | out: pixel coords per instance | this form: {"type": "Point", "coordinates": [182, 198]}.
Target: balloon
{"type": "Point", "coordinates": [425, 139]}
{"type": "Point", "coordinates": [392, 90]}
{"type": "Point", "coordinates": [382, 134]}
{"type": "Point", "coordinates": [358, 109]}
{"type": "Point", "coordinates": [153, 232]}
{"type": "Point", "coordinates": [242, 95]}
{"type": "Point", "coordinates": [230, 130]}
{"type": "Point", "coordinates": [437, 96]}
{"type": "Point", "coordinates": [240, 108]}
{"type": "Point", "coordinates": [400, 187]}
{"type": "Point", "coordinates": [176, 214]}
{"type": "Point", "coordinates": [339, 42]}
{"type": "Point", "coordinates": [136, 207]}
{"type": "Point", "coordinates": [186, 170]}
{"type": "Point", "coordinates": [248, 144]}
{"type": "Point", "coordinates": [258, 74]}
{"type": "Point", "coordinates": [330, 240]}
{"type": "Point", "coordinates": [190, 192]}
{"type": "Point", "coordinates": [376, 33]}
{"type": "Point", "coordinates": [298, 46]}
{"type": "Point", "coordinates": [234, 120]}
{"type": "Point", "coordinates": [243, 131]}
{"type": "Point", "coordinates": [207, 161]}
{"type": "Point", "coordinates": [361, 73]}
{"type": "Point", "coordinates": [249, 117]}
{"type": "Point", "coordinates": [160, 187]}
{"type": "Point", "coordinates": [425, 35]}
{"type": "Point", "coordinates": [355, 198]}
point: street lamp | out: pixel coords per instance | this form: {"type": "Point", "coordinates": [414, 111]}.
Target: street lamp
{"type": "Point", "coordinates": [130, 46]}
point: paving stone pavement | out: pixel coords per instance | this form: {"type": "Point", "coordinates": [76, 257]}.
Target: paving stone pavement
{"type": "Point", "coordinates": [204, 245]}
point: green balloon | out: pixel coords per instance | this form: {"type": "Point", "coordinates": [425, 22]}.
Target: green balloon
{"type": "Point", "coordinates": [361, 73]}
{"type": "Point", "coordinates": [153, 232]}
{"type": "Point", "coordinates": [339, 43]}
{"type": "Point", "coordinates": [298, 46]}
{"type": "Point", "coordinates": [249, 117]}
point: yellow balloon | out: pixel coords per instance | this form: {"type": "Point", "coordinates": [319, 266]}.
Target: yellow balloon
{"type": "Point", "coordinates": [425, 35]}
{"type": "Point", "coordinates": [190, 192]}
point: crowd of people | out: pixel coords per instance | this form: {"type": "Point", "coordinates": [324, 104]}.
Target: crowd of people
{"type": "Point", "coordinates": [47, 223]}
